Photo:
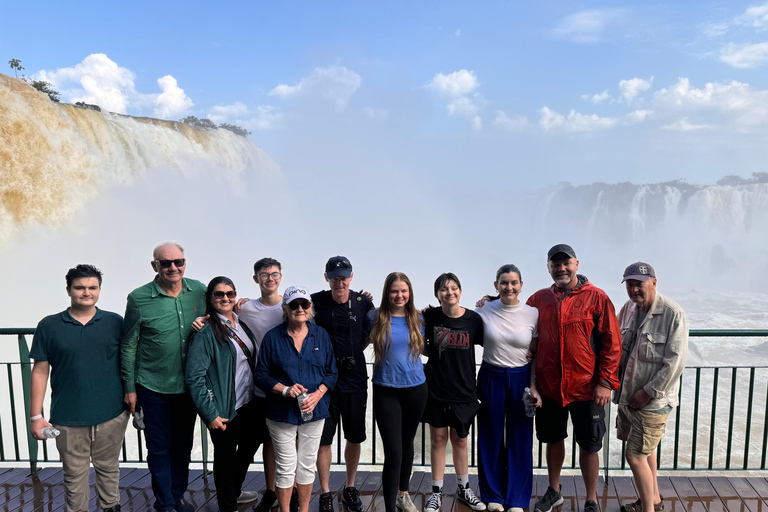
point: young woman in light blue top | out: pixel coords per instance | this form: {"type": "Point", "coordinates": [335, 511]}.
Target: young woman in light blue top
{"type": "Point", "coordinates": [399, 385]}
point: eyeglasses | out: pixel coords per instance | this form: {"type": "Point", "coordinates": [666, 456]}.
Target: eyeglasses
{"type": "Point", "coordinates": [231, 294]}
{"type": "Point", "coordinates": [274, 275]}
{"type": "Point", "coordinates": [294, 305]}
{"type": "Point", "coordinates": [167, 263]}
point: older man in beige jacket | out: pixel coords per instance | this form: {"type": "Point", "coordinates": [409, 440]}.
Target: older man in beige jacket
{"type": "Point", "coordinates": [654, 334]}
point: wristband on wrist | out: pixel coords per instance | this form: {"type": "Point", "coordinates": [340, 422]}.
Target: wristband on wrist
{"type": "Point", "coordinates": [285, 390]}
{"type": "Point", "coordinates": [605, 384]}
{"type": "Point", "coordinates": [37, 417]}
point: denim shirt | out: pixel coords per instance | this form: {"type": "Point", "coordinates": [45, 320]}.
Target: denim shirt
{"type": "Point", "coordinates": [280, 362]}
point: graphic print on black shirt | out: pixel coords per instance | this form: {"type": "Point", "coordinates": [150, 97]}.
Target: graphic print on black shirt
{"type": "Point", "coordinates": [450, 345]}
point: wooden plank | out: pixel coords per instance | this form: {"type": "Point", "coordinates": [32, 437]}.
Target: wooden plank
{"type": "Point", "coordinates": [760, 485]}
{"type": "Point", "coordinates": [625, 489]}
{"type": "Point", "coordinates": [369, 490]}
{"type": "Point", "coordinates": [139, 496]}
{"type": "Point", "coordinates": [708, 495]}
{"type": "Point", "coordinates": [19, 484]}
{"type": "Point", "coordinates": [728, 494]}
{"type": "Point", "coordinates": [570, 498]}
{"type": "Point", "coordinates": [450, 486]}
{"type": "Point", "coordinates": [687, 495]}
{"type": "Point", "coordinates": [35, 494]}
{"type": "Point", "coordinates": [667, 491]}
{"type": "Point", "coordinates": [748, 495]}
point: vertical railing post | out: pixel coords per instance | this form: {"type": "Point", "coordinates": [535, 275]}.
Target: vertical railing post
{"type": "Point", "coordinates": [204, 445]}
{"type": "Point", "coordinates": [26, 381]}
{"type": "Point", "coordinates": [607, 445]}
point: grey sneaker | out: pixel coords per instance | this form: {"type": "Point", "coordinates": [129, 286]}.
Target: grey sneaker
{"type": "Point", "coordinates": [247, 496]}
{"type": "Point", "coordinates": [551, 499]}
{"type": "Point", "coordinates": [404, 503]}
{"type": "Point", "coordinates": [434, 502]}
{"type": "Point", "coordinates": [591, 506]}
{"type": "Point", "coordinates": [637, 506]}
{"type": "Point", "coordinates": [466, 496]}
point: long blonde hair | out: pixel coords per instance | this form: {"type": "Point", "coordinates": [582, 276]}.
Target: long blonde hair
{"type": "Point", "coordinates": [381, 334]}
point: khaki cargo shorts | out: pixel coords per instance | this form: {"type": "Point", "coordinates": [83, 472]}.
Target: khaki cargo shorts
{"type": "Point", "coordinates": [642, 430]}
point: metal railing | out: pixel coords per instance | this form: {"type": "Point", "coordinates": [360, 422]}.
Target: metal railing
{"type": "Point", "coordinates": [716, 427]}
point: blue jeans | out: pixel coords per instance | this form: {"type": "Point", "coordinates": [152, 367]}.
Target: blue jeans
{"type": "Point", "coordinates": [169, 422]}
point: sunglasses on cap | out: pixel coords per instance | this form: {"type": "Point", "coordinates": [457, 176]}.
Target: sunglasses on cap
{"type": "Point", "coordinates": [167, 263]}
{"type": "Point", "coordinates": [294, 305]}
{"type": "Point", "coordinates": [231, 294]}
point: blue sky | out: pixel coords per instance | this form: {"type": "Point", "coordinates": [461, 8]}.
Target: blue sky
{"type": "Point", "coordinates": [561, 91]}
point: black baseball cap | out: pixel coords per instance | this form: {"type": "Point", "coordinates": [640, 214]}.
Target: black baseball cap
{"type": "Point", "coordinates": [338, 266]}
{"type": "Point", "coordinates": [561, 248]}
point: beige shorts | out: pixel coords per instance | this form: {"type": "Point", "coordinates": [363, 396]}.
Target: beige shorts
{"type": "Point", "coordinates": [642, 430]}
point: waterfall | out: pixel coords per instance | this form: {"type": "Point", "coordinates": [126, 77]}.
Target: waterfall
{"type": "Point", "coordinates": [55, 157]}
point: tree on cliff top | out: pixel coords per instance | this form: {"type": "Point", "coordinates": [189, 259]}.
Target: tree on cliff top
{"type": "Point", "coordinates": [207, 123]}
{"type": "Point", "coordinates": [15, 66]}
{"type": "Point", "coordinates": [43, 86]}
{"type": "Point", "coordinates": [235, 129]}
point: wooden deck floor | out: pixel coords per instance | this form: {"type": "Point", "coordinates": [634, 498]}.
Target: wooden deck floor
{"type": "Point", "coordinates": [44, 492]}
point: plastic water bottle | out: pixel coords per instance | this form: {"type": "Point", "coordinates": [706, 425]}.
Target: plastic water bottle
{"type": "Point", "coordinates": [305, 416]}
{"type": "Point", "coordinates": [529, 402]}
{"type": "Point", "coordinates": [49, 432]}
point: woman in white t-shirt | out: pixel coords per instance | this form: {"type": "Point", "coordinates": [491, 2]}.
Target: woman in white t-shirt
{"type": "Point", "coordinates": [505, 433]}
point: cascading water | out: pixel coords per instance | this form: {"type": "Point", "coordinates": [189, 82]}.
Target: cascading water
{"type": "Point", "coordinates": [55, 157]}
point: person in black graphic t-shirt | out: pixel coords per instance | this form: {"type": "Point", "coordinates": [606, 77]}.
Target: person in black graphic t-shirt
{"type": "Point", "coordinates": [344, 315]}
{"type": "Point", "coordinates": [450, 337]}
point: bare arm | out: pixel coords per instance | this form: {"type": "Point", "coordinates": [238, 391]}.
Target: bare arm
{"type": "Point", "coordinates": [40, 372]}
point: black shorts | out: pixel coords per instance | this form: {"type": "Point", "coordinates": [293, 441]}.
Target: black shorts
{"type": "Point", "coordinates": [260, 429]}
{"type": "Point", "coordinates": [588, 423]}
{"type": "Point", "coordinates": [350, 408]}
{"type": "Point", "coordinates": [458, 416]}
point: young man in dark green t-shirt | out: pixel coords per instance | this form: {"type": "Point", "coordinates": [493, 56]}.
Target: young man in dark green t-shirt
{"type": "Point", "coordinates": [80, 348]}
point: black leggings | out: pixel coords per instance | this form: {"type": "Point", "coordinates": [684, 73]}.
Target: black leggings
{"type": "Point", "coordinates": [398, 414]}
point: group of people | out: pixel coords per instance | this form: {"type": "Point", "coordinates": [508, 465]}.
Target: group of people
{"type": "Point", "coordinates": [286, 371]}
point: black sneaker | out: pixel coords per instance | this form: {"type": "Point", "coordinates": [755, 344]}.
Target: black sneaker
{"type": "Point", "coordinates": [294, 506]}
{"type": "Point", "coordinates": [183, 506]}
{"type": "Point", "coordinates": [116, 508]}
{"type": "Point", "coordinates": [268, 501]}
{"type": "Point", "coordinates": [637, 506]}
{"type": "Point", "coordinates": [466, 496]}
{"type": "Point", "coordinates": [326, 502]}
{"type": "Point", "coordinates": [591, 506]}
{"type": "Point", "coordinates": [551, 499]}
{"type": "Point", "coordinates": [351, 499]}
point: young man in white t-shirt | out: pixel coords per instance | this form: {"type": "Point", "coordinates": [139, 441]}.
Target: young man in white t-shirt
{"type": "Point", "coordinates": [261, 315]}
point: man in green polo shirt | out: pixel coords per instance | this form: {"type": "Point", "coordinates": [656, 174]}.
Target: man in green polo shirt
{"type": "Point", "coordinates": [80, 348]}
{"type": "Point", "coordinates": [158, 320]}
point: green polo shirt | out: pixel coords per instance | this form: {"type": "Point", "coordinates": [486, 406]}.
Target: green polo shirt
{"type": "Point", "coordinates": [155, 333]}
{"type": "Point", "coordinates": [85, 367]}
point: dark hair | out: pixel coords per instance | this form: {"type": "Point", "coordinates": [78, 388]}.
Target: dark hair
{"type": "Point", "coordinates": [219, 332]}
{"type": "Point", "coordinates": [444, 278]}
{"type": "Point", "coordinates": [266, 263]}
{"type": "Point", "coordinates": [506, 269]}
{"type": "Point", "coordinates": [80, 271]}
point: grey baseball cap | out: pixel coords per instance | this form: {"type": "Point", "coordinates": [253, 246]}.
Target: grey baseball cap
{"type": "Point", "coordinates": [561, 248]}
{"type": "Point", "coordinates": [639, 271]}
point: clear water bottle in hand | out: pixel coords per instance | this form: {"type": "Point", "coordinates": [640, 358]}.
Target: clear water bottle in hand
{"type": "Point", "coordinates": [49, 432]}
{"type": "Point", "coordinates": [529, 402]}
{"type": "Point", "coordinates": [305, 416]}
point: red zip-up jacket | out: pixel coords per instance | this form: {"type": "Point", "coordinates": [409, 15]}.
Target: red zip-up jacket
{"type": "Point", "coordinates": [579, 342]}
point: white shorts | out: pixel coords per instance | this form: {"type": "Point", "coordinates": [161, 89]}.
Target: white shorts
{"type": "Point", "coordinates": [288, 450]}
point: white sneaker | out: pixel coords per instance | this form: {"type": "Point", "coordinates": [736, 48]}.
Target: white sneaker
{"type": "Point", "coordinates": [434, 502]}
{"type": "Point", "coordinates": [404, 503]}
{"type": "Point", "coordinates": [247, 496]}
{"type": "Point", "coordinates": [515, 509]}
{"type": "Point", "coordinates": [495, 507]}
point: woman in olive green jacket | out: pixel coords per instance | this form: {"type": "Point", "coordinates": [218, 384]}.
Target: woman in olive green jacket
{"type": "Point", "coordinates": [219, 375]}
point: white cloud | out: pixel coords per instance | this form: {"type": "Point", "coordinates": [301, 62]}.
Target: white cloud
{"type": "Point", "coordinates": [457, 83]}
{"type": "Point", "coordinates": [597, 98]}
{"type": "Point", "coordinates": [97, 80]}
{"type": "Point", "coordinates": [631, 88]}
{"type": "Point", "coordinates": [172, 101]}
{"type": "Point", "coordinates": [515, 122]}
{"type": "Point", "coordinates": [586, 26]}
{"type": "Point", "coordinates": [455, 88]}
{"type": "Point", "coordinates": [576, 122]}
{"type": "Point", "coordinates": [263, 117]}
{"type": "Point", "coordinates": [756, 16]}
{"type": "Point", "coordinates": [683, 125]}
{"type": "Point", "coordinates": [336, 83]}
{"type": "Point", "coordinates": [744, 55]}
{"type": "Point", "coordinates": [101, 81]}
{"type": "Point", "coordinates": [737, 101]}
{"type": "Point", "coordinates": [457, 33]}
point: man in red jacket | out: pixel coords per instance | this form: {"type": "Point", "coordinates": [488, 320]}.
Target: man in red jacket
{"type": "Point", "coordinates": [577, 361]}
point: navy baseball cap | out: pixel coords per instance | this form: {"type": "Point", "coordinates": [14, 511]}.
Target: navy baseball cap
{"type": "Point", "coordinates": [561, 248]}
{"type": "Point", "coordinates": [338, 266]}
{"type": "Point", "coordinates": [639, 271]}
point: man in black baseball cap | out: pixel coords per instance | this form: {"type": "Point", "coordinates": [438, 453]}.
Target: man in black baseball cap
{"type": "Point", "coordinates": [343, 313]}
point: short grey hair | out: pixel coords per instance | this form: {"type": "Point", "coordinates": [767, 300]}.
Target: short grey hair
{"type": "Point", "coordinates": [160, 246]}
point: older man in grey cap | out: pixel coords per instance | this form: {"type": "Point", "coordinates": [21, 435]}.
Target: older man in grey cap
{"type": "Point", "coordinates": [654, 334]}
